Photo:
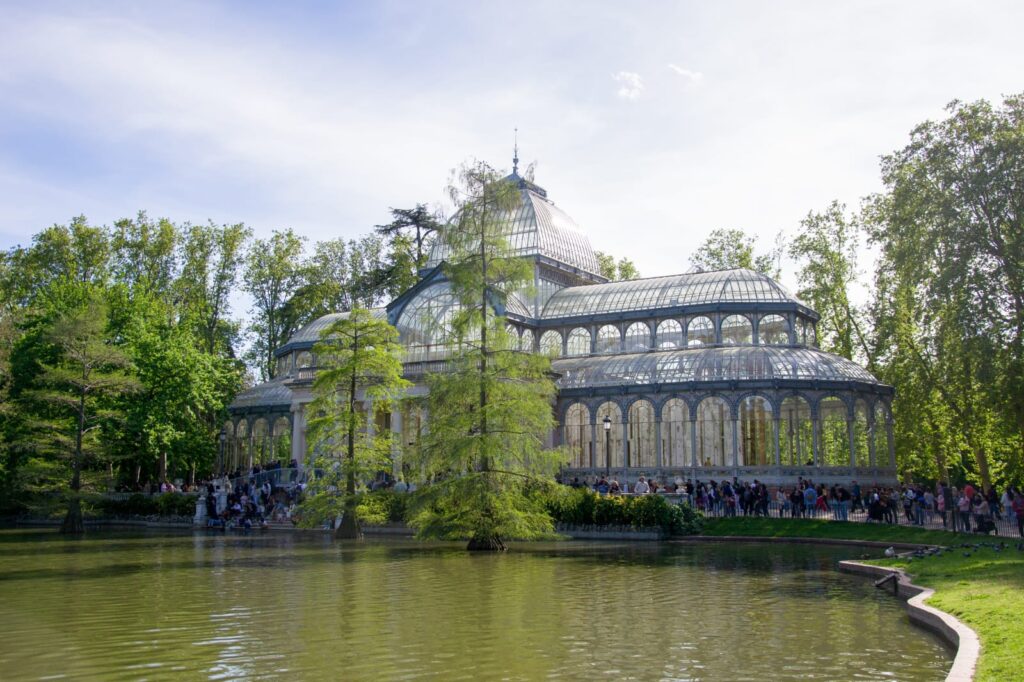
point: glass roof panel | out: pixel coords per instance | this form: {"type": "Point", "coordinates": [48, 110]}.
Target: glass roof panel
{"type": "Point", "coordinates": [722, 286]}
{"type": "Point", "coordinates": [707, 364]}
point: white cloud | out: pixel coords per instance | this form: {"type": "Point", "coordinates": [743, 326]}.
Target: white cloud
{"type": "Point", "coordinates": [631, 85]}
{"type": "Point", "coordinates": [694, 77]}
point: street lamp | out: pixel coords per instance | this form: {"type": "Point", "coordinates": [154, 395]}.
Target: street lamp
{"type": "Point", "coordinates": [607, 446]}
{"type": "Point", "coordinates": [223, 439]}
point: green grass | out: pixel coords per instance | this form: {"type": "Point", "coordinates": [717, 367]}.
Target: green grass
{"type": "Point", "coordinates": [836, 530]}
{"type": "Point", "coordinates": [985, 589]}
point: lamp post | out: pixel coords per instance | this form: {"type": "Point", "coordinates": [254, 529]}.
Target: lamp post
{"type": "Point", "coordinates": [223, 439]}
{"type": "Point", "coordinates": [607, 446]}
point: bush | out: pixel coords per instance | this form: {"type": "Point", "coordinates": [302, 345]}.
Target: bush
{"type": "Point", "coordinates": [176, 504]}
{"type": "Point", "coordinates": [136, 505]}
{"type": "Point", "coordinates": [382, 506]}
{"type": "Point", "coordinates": [584, 507]}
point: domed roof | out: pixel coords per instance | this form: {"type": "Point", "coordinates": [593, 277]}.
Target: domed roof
{"type": "Point", "coordinates": [652, 293]}
{"type": "Point", "coordinates": [310, 334]}
{"type": "Point", "coordinates": [537, 228]}
{"type": "Point", "coordinates": [748, 363]}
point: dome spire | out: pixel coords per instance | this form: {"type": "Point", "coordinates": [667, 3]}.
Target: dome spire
{"type": "Point", "coordinates": [515, 151]}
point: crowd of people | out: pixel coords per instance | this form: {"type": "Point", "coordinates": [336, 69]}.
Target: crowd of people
{"type": "Point", "coordinates": [965, 509]}
{"type": "Point", "coordinates": [246, 505]}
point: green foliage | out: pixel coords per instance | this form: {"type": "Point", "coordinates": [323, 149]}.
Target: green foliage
{"type": "Point", "coordinates": [416, 227]}
{"type": "Point", "coordinates": [725, 249]}
{"type": "Point", "coordinates": [360, 363]}
{"type": "Point", "coordinates": [135, 505]}
{"type": "Point", "coordinates": [491, 408]}
{"type": "Point", "coordinates": [382, 507]}
{"type": "Point", "coordinates": [616, 271]}
{"type": "Point", "coordinates": [584, 507]}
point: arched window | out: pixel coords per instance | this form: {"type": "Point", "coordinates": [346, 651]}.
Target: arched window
{"type": "Point", "coordinates": [834, 437]}
{"type": "Point", "coordinates": [757, 432]}
{"type": "Point", "coordinates": [282, 440]}
{"type": "Point", "coordinates": [675, 433]}
{"type": "Point", "coordinates": [551, 343]}
{"type": "Point", "coordinates": [638, 337]}
{"type": "Point", "coordinates": [881, 434]}
{"type": "Point", "coordinates": [243, 449]}
{"type": "Point", "coordinates": [578, 342]}
{"type": "Point", "coordinates": [526, 341]}
{"type": "Point", "coordinates": [736, 331]}
{"type": "Point", "coordinates": [610, 440]}
{"type": "Point", "coordinates": [642, 439]}
{"type": "Point", "coordinates": [228, 449]}
{"type": "Point", "coordinates": [608, 339]}
{"type": "Point", "coordinates": [576, 434]}
{"type": "Point", "coordinates": [861, 433]}
{"type": "Point", "coordinates": [700, 332]}
{"type": "Point", "coordinates": [670, 334]}
{"type": "Point", "coordinates": [425, 325]}
{"type": "Point", "coordinates": [773, 330]}
{"type": "Point", "coordinates": [513, 336]}
{"type": "Point", "coordinates": [796, 432]}
{"type": "Point", "coordinates": [304, 359]}
{"type": "Point", "coordinates": [261, 448]}
{"type": "Point", "coordinates": [714, 435]}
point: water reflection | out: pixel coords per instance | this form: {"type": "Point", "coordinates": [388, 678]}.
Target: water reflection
{"type": "Point", "coordinates": [118, 606]}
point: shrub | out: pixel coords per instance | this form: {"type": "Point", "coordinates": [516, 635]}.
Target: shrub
{"type": "Point", "coordinates": [581, 506]}
{"type": "Point", "coordinates": [136, 505]}
{"type": "Point", "coordinates": [382, 506]}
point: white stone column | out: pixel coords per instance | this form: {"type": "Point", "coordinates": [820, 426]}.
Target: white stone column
{"type": "Point", "coordinates": [299, 434]}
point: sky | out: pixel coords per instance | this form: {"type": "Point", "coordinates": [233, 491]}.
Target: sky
{"type": "Point", "coordinates": [651, 123]}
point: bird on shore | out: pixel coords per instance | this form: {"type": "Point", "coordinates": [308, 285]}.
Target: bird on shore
{"type": "Point", "coordinates": [890, 552]}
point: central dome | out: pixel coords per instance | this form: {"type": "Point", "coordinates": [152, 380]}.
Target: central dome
{"type": "Point", "coordinates": [537, 228]}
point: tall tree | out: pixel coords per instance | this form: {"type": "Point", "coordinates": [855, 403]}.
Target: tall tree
{"type": "Point", "coordinates": [273, 274]}
{"type": "Point", "coordinates": [616, 271]}
{"type": "Point", "coordinates": [77, 391]}
{"type": "Point", "coordinates": [950, 228]}
{"type": "Point", "coordinates": [826, 251]}
{"type": "Point", "coordinates": [419, 224]}
{"type": "Point", "coordinates": [360, 376]}
{"type": "Point", "coordinates": [490, 413]}
{"type": "Point", "coordinates": [725, 249]}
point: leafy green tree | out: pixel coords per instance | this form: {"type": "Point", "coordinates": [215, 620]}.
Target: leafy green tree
{"type": "Point", "coordinates": [950, 229]}
{"type": "Point", "coordinates": [273, 274]}
{"type": "Point", "coordinates": [725, 249]}
{"type": "Point", "coordinates": [418, 225]}
{"type": "Point", "coordinates": [614, 272]}
{"type": "Point", "coordinates": [77, 392]}
{"type": "Point", "coordinates": [491, 410]}
{"type": "Point", "coordinates": [360, 376]}
{"type": "Point", "coordinates": [826, 250]}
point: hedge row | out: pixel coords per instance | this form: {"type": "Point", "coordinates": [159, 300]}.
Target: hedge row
{"type": "Point", "coordinates": [167, 504]}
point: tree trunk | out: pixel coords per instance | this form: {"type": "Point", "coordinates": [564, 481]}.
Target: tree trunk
{"type": "Point", "coordinates": [489, 543]}
{"type": "Point", "coordinates": [73, 524]}
{"type": "Point", "coordinates": [349, 528]}
{"type": "Point", "coordinates": [163, 467]}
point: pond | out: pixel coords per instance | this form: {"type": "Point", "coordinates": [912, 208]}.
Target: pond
{"type": "Point", "coordinates": [274, 605]}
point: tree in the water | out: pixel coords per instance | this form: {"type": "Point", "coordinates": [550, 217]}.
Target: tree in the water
{"type": "Point", "coordinates": [359, 377]}
{"type": "Point", "coordinates": [490, 410]}
{"type": "Point", "coordinates": [76, 395]}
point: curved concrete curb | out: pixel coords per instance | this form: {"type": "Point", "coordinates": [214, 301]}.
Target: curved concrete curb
{"type": "Point", "coordinates": [963, 638]}
{"type": "Point", "coordinates": [798, 541]}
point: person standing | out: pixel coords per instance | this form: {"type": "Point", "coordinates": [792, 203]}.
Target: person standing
{"type": "Point", "coordinates": [1018, 510]}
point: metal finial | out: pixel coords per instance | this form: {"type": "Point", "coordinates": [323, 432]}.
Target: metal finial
{"type": "Point", "coordinates": [515, 152]}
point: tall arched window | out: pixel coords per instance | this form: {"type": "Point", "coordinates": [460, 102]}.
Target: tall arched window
{"type": "Point", "coordinates": [243, 448]}
{"type": "Point", "coordinates": [608, 339]}
{"type": "Point", "coordinates": [675, 433]}
{"type": "Point", "coordinates": [513, 336]}
{"type": "Point", "coordinates": [881, 434]}
{"type": "Point", "coordinates": [578, 342]}
{"type": "Point", "coordinates": [861, 433]}
{"type": "Point", "coordinates": [834, 437]}
{"type": "Point", "coordinates": [796, 432]}
{"type": "Point", "coordinates": [638, 337]}
{"type": "Point", "coordinates": [577, 435]}
{"type": "Point", "coordinates": [757, 432]}
{"type": "Point", "coordinates": [700, 332]}
{"type": "Point", "coordinates": [714, 436]}
{"type": "Point", "coordinates": [526, 341]}
{"type": "Point", "coordinates": [551, 343]}
{"type": "Point", "coordinates": [260, 441]}
{"type": "Point", "coordinates": [642, 440]}
{"type": "Point", "coordinates": [773, 330]}
{"type": "Point", "coordinates": [610, 440]}
{"type": "Point", "coordinates": [736, 331]}
{"type": "Point", "coordinates": [304, 359]}
{"type": "Point", "coordinates": [228, 448]}
{"type": "Point", "coordinates": [670, 334]}
{"type": "Point", "coordinates": [282, 440]}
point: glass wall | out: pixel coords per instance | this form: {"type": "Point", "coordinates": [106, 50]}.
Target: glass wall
{"type": "Point", "coordinates": [675, 434]}
{"type": "Point", "coordinates": [642, 439]}
{"type": "Point", "coordinates": [796, 433]}
{"type": "Point", "coordinates": [577, 431]}
{"type": "Point", "coordinates": [551, 343]}
{"type": "Point", "coordinates": [670, 334]}
{"type": "Point", "coordinates": [714, 433]}
{"type": "Point", "coordinates": [612, 411]}
{"type": "Point", "coordinates": [773, 330]}
{"type": "Point", "coordinates": [638, 337]}
{"type": "Point", "coordinates": [757, 432]}
{"type": "Point", "coordinates": [526, 341]}
{"type": "Point", "coordinates": [737, 330]}
{"type": "Point", "coordinates": [834, 437]}
{"type": "Point", "coordinates": [578, 342]}
{"type": "Point", "coordinates": [608, 339]}
{"type": "Point", "coordinates": [861, 434]}
{"type": "Point", "coordinates": [700, 332]}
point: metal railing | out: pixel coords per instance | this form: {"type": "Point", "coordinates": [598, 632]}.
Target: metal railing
{"type": "Point", "coordinates": [279, 478]}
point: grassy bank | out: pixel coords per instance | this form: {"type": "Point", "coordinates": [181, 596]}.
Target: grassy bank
{"type": "Point", "coordinates": [980, 585]}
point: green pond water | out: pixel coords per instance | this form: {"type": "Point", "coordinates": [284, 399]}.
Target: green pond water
{"type": "Point", "coordinates": [130, 606]}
